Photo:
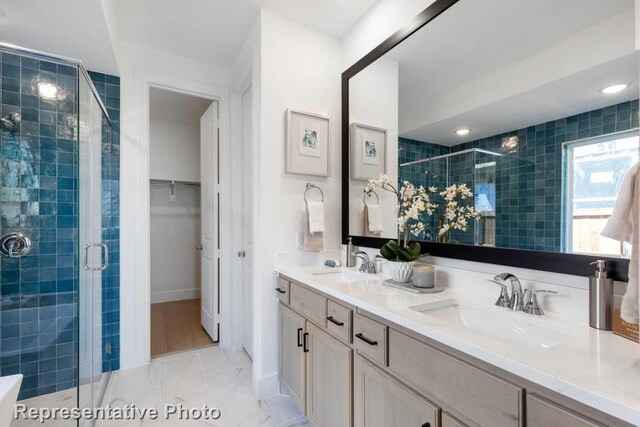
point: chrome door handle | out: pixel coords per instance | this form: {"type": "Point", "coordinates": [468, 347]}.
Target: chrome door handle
{"type": "Point", "coordinates": [105, 257]}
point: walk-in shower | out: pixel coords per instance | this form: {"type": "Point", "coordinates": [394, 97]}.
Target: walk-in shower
{"type": "Point", "coordinates": [58, 177]}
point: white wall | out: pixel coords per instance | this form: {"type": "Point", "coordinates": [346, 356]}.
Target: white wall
{"type": "Point", "coordinates": [384, 19]}
{"type": "Point", "coordinates": [175, 233]}
{"type": "Point", "coordinates": [300, 69]}
{"type": "Point", "coordinates": [175, 151]}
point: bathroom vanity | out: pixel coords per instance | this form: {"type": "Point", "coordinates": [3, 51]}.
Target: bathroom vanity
{"type": "Point", "coordinates": [353, 352]}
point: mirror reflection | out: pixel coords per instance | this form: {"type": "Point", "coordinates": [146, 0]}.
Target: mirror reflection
{"type": "Point", "coordinates": [518, 142]}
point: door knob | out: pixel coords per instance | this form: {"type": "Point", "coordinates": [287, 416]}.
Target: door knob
{"type": "Point", "coordinates": [242, 254]}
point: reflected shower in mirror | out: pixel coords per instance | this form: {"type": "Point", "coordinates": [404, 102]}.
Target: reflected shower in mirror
{"type": "Point", "coordinates": [520, 119]}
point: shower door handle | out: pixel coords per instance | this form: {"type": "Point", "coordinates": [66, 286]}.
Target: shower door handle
{"type": "Point", "coordinates": [105, 257]}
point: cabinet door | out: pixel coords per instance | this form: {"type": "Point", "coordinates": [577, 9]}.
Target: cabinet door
{"type": "Point", "coordinates": [291, 358]}
{"type": "Point", "coordinates": [329, 370]}
{"type": "Point", "coordinates": [381, 401]}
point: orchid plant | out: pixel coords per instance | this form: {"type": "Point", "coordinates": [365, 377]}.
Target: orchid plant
{"type": "Point", "coordinates": [412, 203]}
{"type": "Point", "coordinates": [456, 215]}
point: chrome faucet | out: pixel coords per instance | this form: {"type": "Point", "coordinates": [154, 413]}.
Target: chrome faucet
{"type": "Point", "coordinates": [517, 294]}
{"type": "Point", "coordinates": [367, 266]}
{"type": "Point", "coordinates": [520, 300]}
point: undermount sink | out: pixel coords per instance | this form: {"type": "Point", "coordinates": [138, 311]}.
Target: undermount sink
{"type": "Point", "coordinates": [342, 276]}
{"type": "Point", "coordinates": [495, 322]}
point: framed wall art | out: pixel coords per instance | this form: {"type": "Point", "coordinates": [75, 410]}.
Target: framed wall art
{"type": "Point", "coordinates": [368, 151]}
{"type": "Point", "coordinates": [307, 143]}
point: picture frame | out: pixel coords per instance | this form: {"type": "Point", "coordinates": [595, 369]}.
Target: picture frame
{"type": "Point", "coordinates": [307, 143]}
{"type": "Point", "coordinates": [368, 151]}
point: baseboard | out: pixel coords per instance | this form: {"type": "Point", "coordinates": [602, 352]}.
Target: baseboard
{"type": "Point", "coordinates": [179, 295]}
{"type": "Point", "coordinates": [267, 386]}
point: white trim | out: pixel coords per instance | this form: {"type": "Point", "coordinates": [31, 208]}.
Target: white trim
{"type": "Point", "coordinates": [267, 386]}
{"type": "Point", "coordinates": [178, 295]}
{"type": "Point", "coordinates": [135, 213]}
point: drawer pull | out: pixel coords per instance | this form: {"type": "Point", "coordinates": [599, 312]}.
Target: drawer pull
{"type": "Point", "coordinates": [299, 337]}
{"type": "Point", "coordinates": [282, 291]}
{"type": "Point", "coordinates": [305, 342]}
{"type": "Point", "coordinates": [367, 340]}
{"type": "Point", "coordinates": [334, 321]}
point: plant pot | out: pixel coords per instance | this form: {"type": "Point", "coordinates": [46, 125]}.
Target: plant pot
{"type": "Point", "coordinates": [401, 271]}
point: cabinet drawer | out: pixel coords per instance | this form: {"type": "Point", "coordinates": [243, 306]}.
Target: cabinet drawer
{"type": "Point", "coordinates": [339, 321]}
{"type": "Point", "coordinates": [283, 290]}
{"type": "Point", "coordinates": [475, 394]}
{"type": "Point", "coordinates": [541, 413]}
{"type": "Point", "coordinates": [309, 304]}
{"type": "Point", "coordinates": [450, 421]}
{"type": "Point", "coordinates": [370, 338]}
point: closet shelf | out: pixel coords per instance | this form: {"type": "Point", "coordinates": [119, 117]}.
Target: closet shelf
{"type": "Point", "coordinates": [169, 182]}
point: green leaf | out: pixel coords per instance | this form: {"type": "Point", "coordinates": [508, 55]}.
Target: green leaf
{"type": "Point", "coordinates": [387, 253]}
{"type": "Point", "coordinates": [414, 249]}
{"type": "Point", "coordinates": [404, 255]}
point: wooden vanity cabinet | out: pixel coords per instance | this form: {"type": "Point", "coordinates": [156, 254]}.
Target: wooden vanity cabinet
{"type": "Point", "coordinates": [315, 369]}
{"type": "Point", "coordinates": [543, 413]}
{"type": "Point", "coordinates": [328, 376]}
{"type": "Point", "coordinates": [291, 356]}
{"type": "Point", "coordinates": [381, 401]}
{"type": "Point", "coordinates": [358, 369]}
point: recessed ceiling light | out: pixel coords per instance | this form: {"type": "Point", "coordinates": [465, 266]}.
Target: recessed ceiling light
{"type": "Point", "coordinates": [462, 132]}
{"type": "Point", "coordinates": [614, 88]}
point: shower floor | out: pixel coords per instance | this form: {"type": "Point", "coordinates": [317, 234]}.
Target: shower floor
{"type": "Point", "coordinates": [175, 326]}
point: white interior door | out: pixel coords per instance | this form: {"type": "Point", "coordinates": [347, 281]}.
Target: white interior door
{"type": "Point", "coordinates": [247, 224]}
{"type": "Point", "coordinates": [209, 188]}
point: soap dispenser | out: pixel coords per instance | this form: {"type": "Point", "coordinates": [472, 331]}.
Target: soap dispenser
{"type": "Point", "coordinates": [351, 257]}
{"type": "Point", "coordinates": [600, 298]}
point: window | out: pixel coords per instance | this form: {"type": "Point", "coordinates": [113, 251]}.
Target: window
{"type": "Point", "coordinates": [594, 170]}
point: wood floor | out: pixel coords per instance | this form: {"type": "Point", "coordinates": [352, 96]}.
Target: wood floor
{"type": "Point", "coordinates": [175, 326]}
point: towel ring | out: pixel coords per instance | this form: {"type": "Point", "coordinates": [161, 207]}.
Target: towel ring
{"type": "Point", "coordinates": [369, 194]}
{"type": "Point", "coordinates": [311, 186]}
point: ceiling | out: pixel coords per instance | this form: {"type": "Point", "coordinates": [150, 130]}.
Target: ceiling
{"type": "Point", "coordinates": [176, 107]}
{"type": "Point", "coordinates": [72, 28]}
{"type": "Point", "coordinates": [458, 49]}
{"type": "Point", "coordinates": [212, 31]}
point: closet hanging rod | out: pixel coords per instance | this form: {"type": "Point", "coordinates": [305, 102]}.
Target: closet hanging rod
{"type": "Point", "coordinates": [169, 182]}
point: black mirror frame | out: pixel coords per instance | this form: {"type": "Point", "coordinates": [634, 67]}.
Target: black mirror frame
{"type": "Point", "coordinates": [546, 261]}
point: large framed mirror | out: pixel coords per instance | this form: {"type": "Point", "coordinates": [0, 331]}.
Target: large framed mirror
{"type": "Point", "coordinates": [519, 119]}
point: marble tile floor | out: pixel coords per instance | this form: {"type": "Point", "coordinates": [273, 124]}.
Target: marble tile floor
{"type": "Point", "coordinates": [214, 376]}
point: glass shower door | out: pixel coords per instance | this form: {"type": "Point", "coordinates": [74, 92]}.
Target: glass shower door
{"type": "Point", "coordinates": [93, 253]}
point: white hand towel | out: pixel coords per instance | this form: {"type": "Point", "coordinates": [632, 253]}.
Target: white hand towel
{"type": "Point", "coordinates": [619, 226]}
{"type": "Point", "coordinates": [374, 216]}
{"type": "Point", "coordinates": [313, 242]}
{"type": "Point", "coordinates": [624, 226]}
{"type": "Point", "coordinates": [315, 213]}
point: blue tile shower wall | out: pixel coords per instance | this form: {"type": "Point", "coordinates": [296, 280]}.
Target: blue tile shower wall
{"type": "Point", "coordinates": [38, 196]}
{"type": "Point", "coordinates": [108, 88]}
{"type": "Point", "coordinates": [528, 196]}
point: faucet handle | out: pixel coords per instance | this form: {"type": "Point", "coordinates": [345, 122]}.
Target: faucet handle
{"type": "Point", "coordinates": [503, 300]}
{"type": "Point", "coordinates": [531, 304]}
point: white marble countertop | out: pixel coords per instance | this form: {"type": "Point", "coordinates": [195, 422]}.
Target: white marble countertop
{"type": "Point", "coordinates": [594, 367]}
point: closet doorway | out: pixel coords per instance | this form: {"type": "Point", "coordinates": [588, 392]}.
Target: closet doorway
{"type": "Point", "coordinates": [183, 145]}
